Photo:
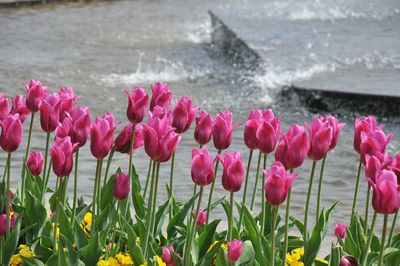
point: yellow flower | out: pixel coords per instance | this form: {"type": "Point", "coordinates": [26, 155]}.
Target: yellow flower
{"type": "Point", "coordinates": [58, 229]}
{"type": "Point", "coordinates": [299, 251]}
{"type": "Point", "coordinates": [85, 230]}
{"type": "Point", "coordinates": [23, 247]}
{"type": "Point", "coordinates": [103, 263]}
{"type": "Point", "coordinates": [212, 245]}
{"type": "Point", "coordinates": [112, 261]}
{"type": "Point", "coordinates": [322, 261]}
{"type": "Point", "coordinates": [143, 264]}
{"type": "Point", "coordinates": [15, 260]}
{"type": "Point", "coordinates": [160, 262]}
{"type": "Point", "coordinates": [290, 258]}
{"type": "Point", "coordinates": [124, 260]}
{"type": "Point", "coordinates": [87, 219]}
{"type": "Point", "coordinates": [26, 253]}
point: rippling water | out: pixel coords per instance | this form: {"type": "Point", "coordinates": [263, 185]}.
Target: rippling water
{"type": "Point", "coordinates": [101, 49]}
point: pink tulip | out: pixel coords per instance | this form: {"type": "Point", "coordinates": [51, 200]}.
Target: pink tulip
{"type": "Point", "coordinates": [3, 223]}
{"type": "Point", "coordinates": [76, 125]}
{"type": "Point", "coordinates": [394, 165]}
{"type": "Point", "coordinates": [340, 230]}
{"type": "Point", "coordinates": [235, 249]}
{"type": "Point", "coordinates": [321, 137]}
{"type": "Point", "coordinates": [202, 167]}
{"type": "Point", "coordinates": [160, 112]}
{"type": "Point", "coordinates": [232, 177]}
{"type": "Point", "coordinates": [166, 255]}
{"type": "Point", "coordinates": [62, 156]}
{"type": "Point", "coordinates": [373, 142]}
{"type": "Point", "coordinates": [137, 105]}
{"type": "Point", "coordinates": [277, 183]}
{"type": "Point", "coordinates": [4, 107]}
{"type": "Point", "coordinates": [336, 128]}
{"type": "Point", "coordinates": [122, 186]}
{"type": "Point", "coordinates": [375, 163]}
{"type": "Point", "coordinates": [19, 107]}
{"type": "Point", "coordinates": [348, 261]}
{"type": "Point", "coordinates": [222, 130]}
{"type": "Point", "coordinates": [160, 139]}
{"type": "Point", "coordinates": [35, 94]}
{"type": "Point", "coordinates": [203, 130]}
{"type": "Point", "coordinates": [201, 220]}
{"type": "Point", "coordinates": [366, 125]}
{"type": "Point", "coordinates": [250, 134]}
{"type": "Point", "coordinates": [123, 140]}
{"type": "Point", "coordinates": [67, 99]}
{"type": "Point", "coordinates": [268, 132]}
{"type": "Point", "coordinates": [102, 135]}
{"type": "Point", "coordinates": [11, 133]}
{"type": "Point", "coordinates": [385, 192]}
{"type": "Point", "coordinates": [162, 96]}
{"type": "Point", "coordinates": [50, 112]}
{"type": "Point", "coordinates": [35, 163]}
{"type": "Point", "coordinates": [293, 147]}
{"type": "Point", "coordinates": [183, 114]}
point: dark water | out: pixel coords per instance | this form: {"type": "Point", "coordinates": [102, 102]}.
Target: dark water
{"type": "Point", "coordinates": [101, 49]}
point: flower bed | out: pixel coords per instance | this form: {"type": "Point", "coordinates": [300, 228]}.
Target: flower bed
{"type": "Point", "coordinates": [123, 225]}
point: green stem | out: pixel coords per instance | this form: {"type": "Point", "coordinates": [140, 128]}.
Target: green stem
{"type": "Point", "coordinates": [393, 227]}
{"type": "Point", "coordinates": [305, 233]}
{"type": "Point", "coordinates": [275, 210]}
{"type": "Point", "coordinates": [8, 200]}
{"type": "Point", "coordinates": [133, 187]}
{"type": "Point", "coordinates": [1, 248]}
{"type": "Point", "coordinates": [153, 220]}
{"type": "Point", "coordinates": [263, 205]}
{"type": "Point", "coordinates": [383, 239]}
{"type": "Point", "coordinates": [149, 210]}
{"type": "Point", "coordinates": [109, 160]}
{"type": "Point", "coordinates": [230, 219]}
{"type": "Point", "coordinates": [94, 195]}
{"type": "Point", "coordinates": [65, 191]}
{"type": "Point", "coordinates": [256, 182]}
{"type": "Point", "coordinates": [148, 178]}
{"type": "Point", "coordinates": [171, 184]}
{"type": "Point", "coordinates": [193, 230]}
{"type": "Point", "coordinates": [366, 209]}
{"type": "Point", "coordinates": [285, 249]}
{"type": "Point", "coordinates": [191, 209]}
{"type": "Point", "coordinates": [321, 176]}
{"type": "Point", "coordinates": [45, 179]}
{"type": "Point", "coordinates": [59, 181]}
{"type": "Point", "coordinates": [212, 189]}
{"type": "Point", "coordinates": [99, 186]}
{"type": "Point", "coordinates": [26, 156]}
{"type": "Point", "coordinates": [353, 209]}
{"type": "Point", "coordinates": [371, 233]}
{"type": "Point", "coordinates": [75, 188]}
{"type": "Point", "coordinates": [245, 188]}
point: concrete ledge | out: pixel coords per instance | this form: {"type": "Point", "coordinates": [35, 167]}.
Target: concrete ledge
{"type": "Point", "coordinates": [20, 3]}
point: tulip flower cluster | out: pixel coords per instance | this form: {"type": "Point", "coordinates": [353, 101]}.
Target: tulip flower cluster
{"type": "Point", "coordinates": [124, 224]}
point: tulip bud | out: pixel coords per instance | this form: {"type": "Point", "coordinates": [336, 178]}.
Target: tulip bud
{"type": "Point", "coordinates": [167, 255]}
{"type": "Point", "coordinates": [3, 223]}
{"type": "Point", "coordinates": [50, 112]}
{"type": "Point", "coordinates": [137, 104]}
{"type": "Point", "coordinates": [122, 186]}
{"type": "Point", "coordinates": [19, 107]}
{"type": "Point", "coordinates": [366, 125]}
{"type": "Point", "coordinates": [35, 94]}
{"type": "Point", "coordinates": [202, 169]}
{"type": "Point", "coordinates": [277, 183]}
{"type": "Point", "coordinates": [183, 114]}
{"type": "Point", "coordinates": [81, 122]}
{"type": "Point", "coordinates": [293, 147]}
{"type": "Point", "coordinates": [373, 142]}
{"type": "Point", "coordinates": [268, 132]}
{"type": "Point", "coordinates": [385, 192]}
{"type": "Point", "coordinates": [11, 133]}
{"type": "Point", "coordinates": [336, 128]}
{"type": "Point", "coordinates": [160, 139]}
{"type": "Point", "coordinates": [67, 101]}
{"type": "Point", "coordinates": [102, 135]}
{"type": "Point", "coordinates": [62, 156]}
{"type": "Point", "coordinates": [321, 137]}
{"type": "Point", "coordinates": [35, 163]}
{"type": "Point", "coordinates": [235, 249]}
{"type": "Point", "coordinates": [4, 107]}
{"type": "Point", "coordinates": [348, 261]}
{"type": "Point", "coordinates": [162, 96]}
{"type": "Point", "coordinates": [222, 130]}
{"type": "Point", "coordinates": [340, 230]}
{"type": "Point", "coordinates": [203, 130]}
{"type": "Point", "coordinates": [122, 142]}
{"type": "Point", "coordinates": [201, 220]}
{"type": "Point", "coordinates": [232, 177]}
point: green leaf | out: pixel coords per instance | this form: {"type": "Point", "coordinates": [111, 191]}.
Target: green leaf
{"type": "Point", "coordinates": [336, 254]}
{"type": "Point", "coordinates": [160, 216]}
{"type": "Point", "coordinates": [31, 262]}
{"type": "Point", "coordinates": [12, 241]}
{"type": "Point", "coordinates": [90, 254]}
{"type": "Point", "coordinates": [138, 202]}
{"type": "Point", "coordinates": [206, 238]}
{"type": "Point", "coordinates": [134, 249]}
{"type": "Point", "coordinates": [64, 225]}
{"type": "Point", "coordinates": [248, 254]}
{"type": "Point", "coordinates": [209, 257]}
{"type": "Point", "coordinates": [34, 213]}
{"type": "Point", "coordinates": [73, 257]}
{"type": "Point", "coordinates": [106, 195]}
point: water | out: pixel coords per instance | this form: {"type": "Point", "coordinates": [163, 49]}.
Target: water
{"type": "Point", "coordinates": [101, 49]}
